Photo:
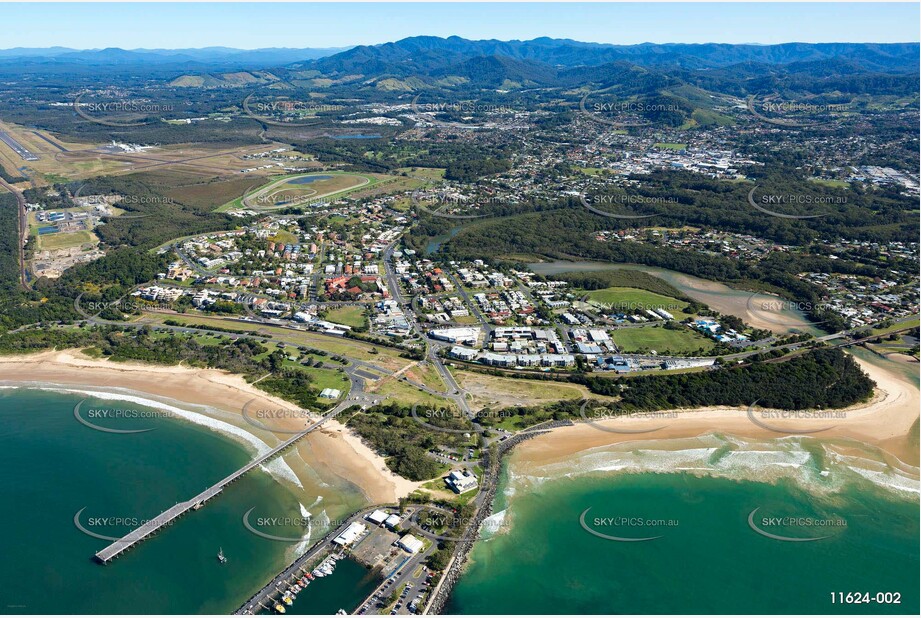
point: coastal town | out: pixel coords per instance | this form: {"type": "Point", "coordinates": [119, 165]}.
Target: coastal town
{"type": "Point", "coordinates": [448, 326]}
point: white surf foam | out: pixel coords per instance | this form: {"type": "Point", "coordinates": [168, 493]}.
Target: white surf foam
{"type": "Point", "coordinates": [277, 467]}
{"type": "Point", "coordinates": [721, 456]}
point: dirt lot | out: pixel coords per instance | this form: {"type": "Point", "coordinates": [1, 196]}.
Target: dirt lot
{"type": "Point", "coordinates": [492, 391]}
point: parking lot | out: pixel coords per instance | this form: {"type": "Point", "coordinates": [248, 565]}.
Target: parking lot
{"type": "Point", "coordinates": [412, 581]}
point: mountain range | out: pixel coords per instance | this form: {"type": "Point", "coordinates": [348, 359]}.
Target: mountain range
{"type": "Point", "coordinates": [422, 62]}
{"type": "Point", "coordinates": [429, 53]}
{"type": "Point", "coordinates": [205, 58]}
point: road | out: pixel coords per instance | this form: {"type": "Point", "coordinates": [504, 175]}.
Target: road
{"type": "Point", "coordinates": [265, 598]}
{"type": "Point", "coordinates": [473, 306]}
{"type": "Point", "coordinates": [411, 576]}
{"type": "Point", "coordinates": [454, 392]}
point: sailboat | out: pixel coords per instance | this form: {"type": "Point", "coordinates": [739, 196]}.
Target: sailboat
{"type": "Point", "coordinates": [220, 556]}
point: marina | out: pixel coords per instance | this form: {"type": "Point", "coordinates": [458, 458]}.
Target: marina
{"type": "Point", "coordinates": [281, 591]}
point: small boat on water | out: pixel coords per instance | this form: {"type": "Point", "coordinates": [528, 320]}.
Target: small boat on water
{"type": "Point", "coordinates": [279, 608]}
{"type": "Point", "coordinates": [287, 600]}
{"type": "Point", "coordinates": [220, 556]}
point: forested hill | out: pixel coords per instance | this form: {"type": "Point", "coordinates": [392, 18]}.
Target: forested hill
{"type": "Point", "coordinates": [423, 53]}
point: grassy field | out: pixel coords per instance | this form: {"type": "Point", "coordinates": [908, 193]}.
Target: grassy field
{"type": "Point", "coordinates": [909, 323]}
{"type": "Point", "coordinates": [350, 316]}
{"type": "Point", "coordinates": [837, 184]}
{"type": "Point", "coordinates": [683, 341]}
{"type": "Point", "coordinates": [385, 357]}
{"type": "Point", "coordinates": [284, 237]}
{"type": "Point", "coordinates": [48, 242]}
{"type": "Point", "coordinates": [670, 146]}
{"type": "Point", "coordinates": [890, 347]}
{"type": "Point", "coordinates": [636, 300]}
{"type": "Point", "coordinates": [425, 373]}
{"type": "Point", "coordinates": [280, 189]}
{"type": "Point", "coordinates": [328, 378]}
{"type": "Point", "coordinates": [407, 394]}
{"type": "Point", "coordinates": [386, 186]}
{"type": "Point", "coordinates": [213, 193]}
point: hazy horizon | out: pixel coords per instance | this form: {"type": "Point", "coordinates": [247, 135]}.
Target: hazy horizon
{"type": "Point", "coordinates": [167, 26]}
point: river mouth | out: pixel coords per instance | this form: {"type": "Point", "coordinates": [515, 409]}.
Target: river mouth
{"type": "Point", "coordinates": [757, 309]}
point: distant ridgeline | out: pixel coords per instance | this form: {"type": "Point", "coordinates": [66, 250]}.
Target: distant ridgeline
{"type": "Point", "coordinates": [816, 380]}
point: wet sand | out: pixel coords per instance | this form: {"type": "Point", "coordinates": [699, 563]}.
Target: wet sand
{"type": "Point", "coordinates": [885, 422]}
{"type": "Point", "coordinates": [333, 447]}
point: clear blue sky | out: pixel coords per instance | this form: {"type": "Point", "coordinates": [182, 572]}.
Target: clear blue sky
{"type": "Point", "coordinates": [252, 24]}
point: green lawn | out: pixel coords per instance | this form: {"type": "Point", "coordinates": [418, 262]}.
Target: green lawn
{"type": "Point", "coordinates": [407, 394]}
{"type": "Point", "coordinates": [350, 316]}
{"type": "Point", "coordinates": [65, 240]}
{"type": "Point", "coordinates": [333, 188]}
{"type": "Point", "coordinates": [328, 378]}
{"type": "Point", "coordinates": [285, 237]}
{"type": "Point", "coordinates": [662, 340]}
{"type": "Point", "coordinates": [635, 300]}
{"type": "Point", "coordinates": [907, 323]}
{"type": "Point", "coordinates": [669, 146]}
{"type": "Point", "coordinates": [837, 184]}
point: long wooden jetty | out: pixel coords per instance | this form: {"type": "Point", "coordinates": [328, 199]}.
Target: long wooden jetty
{"type": "Point", "coordinates": [141, 533]}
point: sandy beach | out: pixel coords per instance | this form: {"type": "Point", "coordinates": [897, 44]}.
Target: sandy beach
{"type": "Point", "coordinates": [333, 447]}
{"type": "Point", "coordinates": [885, 421]}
